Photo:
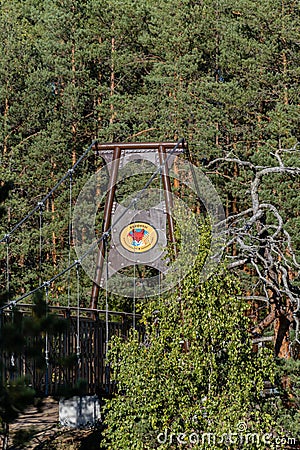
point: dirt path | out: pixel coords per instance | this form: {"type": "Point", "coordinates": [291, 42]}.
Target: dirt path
{"type": "Point", "coordinates": [38, 429]}
{"type": "Point", "coordinates": [38, 423]}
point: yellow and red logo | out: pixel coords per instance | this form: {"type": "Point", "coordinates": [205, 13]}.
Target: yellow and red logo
{"type": "Point", "coordinates": [138, 237]}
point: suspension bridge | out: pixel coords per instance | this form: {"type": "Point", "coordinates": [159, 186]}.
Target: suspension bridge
{"type": "Point", "coordinates": [83, 341]}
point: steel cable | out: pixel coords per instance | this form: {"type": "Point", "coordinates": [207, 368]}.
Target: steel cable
{"type": "Point", "coordinates": [43, 201]}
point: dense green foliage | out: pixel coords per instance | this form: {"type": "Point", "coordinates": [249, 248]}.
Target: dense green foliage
{"type": "Point", "coordinates": [223, 74]}
{"type": "Point", "coordinates": [287, 410]}
{"type": "Point", "coordinates": [194, 374]}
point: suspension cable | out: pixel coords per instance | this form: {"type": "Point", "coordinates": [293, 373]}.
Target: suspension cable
{"type": "Point", "coordinates": [78, 349]}
{"type": "Point", "coordinates": [7, 266]}
{"type": "Point", "coordinates": [47, 344]}
{"type": "Point", "coordinates": [134, 276]}
{"type": "Point", "coordinates": [103, 236]}
{"type": "Point", "coordinates": [106, 299]}
{"type": "Point", "coordinates": [160, 200]}
{"type": "Point", "coordinates": [41, 206]}
{"type": "Point", "coordinates": [134, 297]}
{"type": "Point", "coordinates": [64, 177]}
{"type": "Point", "coordinates": [107, 365]}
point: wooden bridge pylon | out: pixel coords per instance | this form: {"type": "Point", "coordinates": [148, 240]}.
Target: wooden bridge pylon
{"type": "Point", "coordinates": [152, 220]}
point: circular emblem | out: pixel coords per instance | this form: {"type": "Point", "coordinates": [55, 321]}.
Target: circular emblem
{"type": "Point", "coordinates": [138, 237]}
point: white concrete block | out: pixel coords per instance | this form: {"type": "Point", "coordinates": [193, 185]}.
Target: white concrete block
{"type": "Point", "coordinates": [78, 412]}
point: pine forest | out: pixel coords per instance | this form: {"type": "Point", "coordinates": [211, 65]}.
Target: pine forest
{"type": "Point", "coordinates": [219, 357]}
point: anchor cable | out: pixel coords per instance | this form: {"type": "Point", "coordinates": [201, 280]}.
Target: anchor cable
{"type": "Point", "coordinates": [36, 208]}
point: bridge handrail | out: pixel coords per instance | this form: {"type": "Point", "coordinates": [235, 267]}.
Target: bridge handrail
{"type": "Point", "coordinates": [87, 310]}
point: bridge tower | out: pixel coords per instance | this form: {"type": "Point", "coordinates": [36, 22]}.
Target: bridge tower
{"type": "Point", "coordinates": [142, 233]}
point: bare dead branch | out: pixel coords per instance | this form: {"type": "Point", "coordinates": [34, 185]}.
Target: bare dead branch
{"type": "Point", "coordinates": [261, 241]}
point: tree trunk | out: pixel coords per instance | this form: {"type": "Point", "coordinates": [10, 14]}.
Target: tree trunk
{"type": "Point", "coordinates": [282, 343]}
{"type": "Point", "coordinates": [5, 114]}
{"type": "Point", "coordinates": [54, 238]}
{"type": "Point", "coordinates": [282, 332]}
{"type": "Point", "coordinates": [284, 64]}
{"type": "Point", "coordinates": [112, 80]}
{"type": "Point", "coordinates": [99, 96]}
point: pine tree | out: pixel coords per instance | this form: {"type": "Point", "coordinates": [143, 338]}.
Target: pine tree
{"type": "Point", "coordinates": [25, 336]}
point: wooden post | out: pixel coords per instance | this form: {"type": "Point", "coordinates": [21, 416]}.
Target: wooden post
{"type": "Point", "coordinates": [168, 194]}
{"type": "Point", "coordinates": [106, 225]}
